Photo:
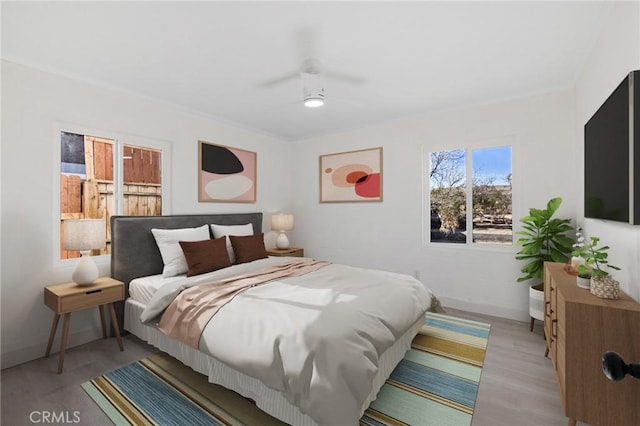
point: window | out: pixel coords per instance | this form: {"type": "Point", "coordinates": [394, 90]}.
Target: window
{"type": "Point", "coordinates": [470, 186]}
{"type": "Point", "coordinates": [100, 177]}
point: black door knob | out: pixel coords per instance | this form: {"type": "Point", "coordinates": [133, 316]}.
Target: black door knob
{"type": "Point", "coordinates": [614, 367]}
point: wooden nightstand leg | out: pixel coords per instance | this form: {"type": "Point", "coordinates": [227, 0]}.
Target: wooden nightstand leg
{"type": "Point", "coordinates": [102, 322]}
{"type": "Point", "coordinates": [116, 329]}
{"type": "Point", "coordinates": [63, 343]}
{"type": "Point", "coordinates": [572, 422]}
{"type": "Point", "coordinates": [52, 334]}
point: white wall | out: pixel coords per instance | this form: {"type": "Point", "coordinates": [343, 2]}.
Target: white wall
{"type": "Point", "coordinates": [388, 234]}
{"type": "Point", "coordinates": [546, 132]}
{"type": "Point", "coordinates": [616, 53]}
{"type": "Point", "coordinates": [33, 103]}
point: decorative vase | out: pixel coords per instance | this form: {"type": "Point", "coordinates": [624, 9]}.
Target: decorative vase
{"type": "Point", "coordinates": [583, 282]}
{"type": "Point", "coordinates": [605, 287]}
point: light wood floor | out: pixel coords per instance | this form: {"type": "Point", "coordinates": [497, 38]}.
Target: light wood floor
{"type": "Point", "coordinates": [517, 385]}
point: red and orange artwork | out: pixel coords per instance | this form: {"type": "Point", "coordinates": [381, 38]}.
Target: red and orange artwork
{"type": "Point", "coordinates": [351, 176]}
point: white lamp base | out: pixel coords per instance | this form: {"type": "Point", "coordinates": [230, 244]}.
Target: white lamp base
{"type": "Point", "coordinates": [86, 271]}
{"type": "Point", "coordinates": [282, 242]}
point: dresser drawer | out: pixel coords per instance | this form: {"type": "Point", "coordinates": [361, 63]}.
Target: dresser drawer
{"type": "Point", "coordinates": [66, 298]}
{"type": "Point", "coordinates": [90, 298]}
{"type": "Point", "coordinates": [293, 251]}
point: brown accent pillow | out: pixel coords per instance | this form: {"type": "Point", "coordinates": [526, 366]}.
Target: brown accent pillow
{"type": "Point", "coordinates": [205, 256]}
{"type": "Point", "coordinates": [248, 248]}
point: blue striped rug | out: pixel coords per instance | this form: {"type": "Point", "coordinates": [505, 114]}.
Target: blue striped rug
{"type": "Point", "coordinates": [435, 384]}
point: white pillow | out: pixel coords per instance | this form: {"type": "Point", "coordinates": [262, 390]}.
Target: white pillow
{"type": "Point", "coordinates": [170, 250]}
{"type": "Point", "coordinates": [235, 230]}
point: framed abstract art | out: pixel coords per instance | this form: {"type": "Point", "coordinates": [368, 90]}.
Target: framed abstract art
{"type": "Point", "coordinates": [351, 176]}
{"type": "Point", "coordinates": [226, 174]}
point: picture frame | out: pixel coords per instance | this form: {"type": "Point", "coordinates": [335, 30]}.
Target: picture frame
{"type": "Point", "coordinates": [352, 176]}
{"type": "Point", "coordinates": [226, 174]}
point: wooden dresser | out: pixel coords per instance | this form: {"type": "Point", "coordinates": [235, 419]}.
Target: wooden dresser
{"type": "Point", "coordinates": [579, 328]}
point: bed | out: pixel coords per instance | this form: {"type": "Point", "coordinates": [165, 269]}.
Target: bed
{"type": "Point", "coordinates": [329, 387]}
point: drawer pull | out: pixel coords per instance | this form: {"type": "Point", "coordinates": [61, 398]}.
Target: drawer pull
{"type": "Point", "coordinates": [554, 332]}
{"type": "Point", "coordinates": [94, 291]}
{"type": "Point", "coordinates": [546, 310]}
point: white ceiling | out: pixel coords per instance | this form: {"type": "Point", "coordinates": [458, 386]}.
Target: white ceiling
{"type": "Point", "coordinates": [217, 58]}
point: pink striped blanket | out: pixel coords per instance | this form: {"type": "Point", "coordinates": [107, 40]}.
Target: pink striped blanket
{"type": "Point", "coordinates": [186, 317]}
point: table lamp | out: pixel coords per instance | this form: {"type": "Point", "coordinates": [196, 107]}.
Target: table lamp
{"type": "Point", "coordinates": [85, 235]}
{"type": "Point", "coordinates": [281, 223]}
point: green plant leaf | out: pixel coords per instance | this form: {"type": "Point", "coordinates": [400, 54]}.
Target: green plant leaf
{"type": "Point", "coordinates": [558, 256]}
{"type": "Point", "coordinates": [553, 205]}
{"type": "Point", "coordinates": [543, 239]}
{"type": "Point", "coordinates": [563, 240]}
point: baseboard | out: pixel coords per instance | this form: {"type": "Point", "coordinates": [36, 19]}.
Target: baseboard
{"type": "Point", "coordinates": [20, 356]}
{"type": "Point", "coordinates": [479, 308]}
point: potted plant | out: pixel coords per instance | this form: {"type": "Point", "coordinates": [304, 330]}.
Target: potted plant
{"type": "Point", "coordinates": [583, 279]}
{"type": "Point", "coordinates": [595, 261]}
{"type": "Point", "coordinates": [542, 239]}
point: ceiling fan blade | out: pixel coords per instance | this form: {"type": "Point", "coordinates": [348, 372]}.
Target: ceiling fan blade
{"type": "Point", "coordinates": [279, 107]}
{"type": "Point", "coordinates": [349, 78]}
{"type": "Point", "coordinates": [279, 80]}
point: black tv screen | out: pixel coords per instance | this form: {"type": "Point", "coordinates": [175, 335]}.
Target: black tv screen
{"type": "Point", "coordinates": [610, 178]}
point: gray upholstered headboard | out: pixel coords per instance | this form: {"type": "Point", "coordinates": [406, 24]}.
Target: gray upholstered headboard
{"type": "Point", "coordinates": [134, 252]}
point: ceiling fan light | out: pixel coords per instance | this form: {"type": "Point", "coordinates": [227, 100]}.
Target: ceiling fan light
{"type": "Point", "coordinates": [314, 101]}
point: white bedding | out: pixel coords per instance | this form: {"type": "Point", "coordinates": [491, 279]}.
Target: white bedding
{"type": "Point", "coordinates": [268, 400]}
{"type": "Point", "coordinates": [316, 339]}
{"type": "Point", "coordinates": [143, 288]}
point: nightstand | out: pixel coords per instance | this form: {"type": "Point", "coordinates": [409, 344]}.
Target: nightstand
{"type": "Point", "coordinates": [291, 251]}
{"type": "Point", "coordinates": [70, 297]}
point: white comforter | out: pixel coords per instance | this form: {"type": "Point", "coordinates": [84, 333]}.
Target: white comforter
{"type": "Point", "coordinates": [316, 338]}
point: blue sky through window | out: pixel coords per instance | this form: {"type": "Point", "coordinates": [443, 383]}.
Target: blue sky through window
{"type": "Point", "coordinates": [492, 163]}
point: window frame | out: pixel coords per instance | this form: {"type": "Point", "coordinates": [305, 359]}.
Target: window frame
{"type": "Point", "coordinates": [119, 141]}
{"type": "Point", "coordinates": [468, 147]}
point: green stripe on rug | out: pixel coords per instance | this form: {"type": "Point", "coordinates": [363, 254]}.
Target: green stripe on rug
{"type": "Point", "coordinates": [435, 384]}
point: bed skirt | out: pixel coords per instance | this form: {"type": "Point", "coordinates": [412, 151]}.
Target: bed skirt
{"type": "Point", "coordinates": [267, 399]}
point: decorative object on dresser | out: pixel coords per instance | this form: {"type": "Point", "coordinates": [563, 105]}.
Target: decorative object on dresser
{"type": "Point", "coordinates": [67, 298]}
{"type": "Point", "coordinates": [226, 174]}
{"type": "Point", "coordinates": [583, 280]}
{"type": "Point", "coordinates": [579, 328]}
{"type": "Point", "coordinates": [291, 251]}
{"type": "Point", "coordinates": [351, 176]}
{"type": "Point", "coordinates": [281, 223]}
{"type": "Point", "coordinates": [595, 260]}
{"type": "Point", "coordinates": [85, 235]}
{"type": "Point", "coordinates": [543, 239]}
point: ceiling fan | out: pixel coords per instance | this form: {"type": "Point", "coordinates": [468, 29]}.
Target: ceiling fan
{"type": "Point", "coordinates": [311, 76]}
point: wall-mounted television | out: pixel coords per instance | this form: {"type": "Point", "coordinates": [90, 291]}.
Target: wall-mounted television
{"type": "Point", "coordinates": [612, 156]}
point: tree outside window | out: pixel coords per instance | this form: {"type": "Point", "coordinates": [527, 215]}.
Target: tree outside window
{"type": "Point", "coordinates": [471, 186]}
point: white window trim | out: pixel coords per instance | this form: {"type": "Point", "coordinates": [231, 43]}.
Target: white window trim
{"type": "Point", "coordinates": [120, 139]}
{"type": "Point", "coordinates": [506, 140]}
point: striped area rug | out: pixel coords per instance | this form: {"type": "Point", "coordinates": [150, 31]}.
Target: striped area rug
{"type": "Point", "coordinates": [435, 384]}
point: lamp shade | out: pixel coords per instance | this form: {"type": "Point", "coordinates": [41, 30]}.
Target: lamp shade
{"type": "Point", "coordinates": [282, 222]}
{"type": "Point", "coordinates": [84, 234]}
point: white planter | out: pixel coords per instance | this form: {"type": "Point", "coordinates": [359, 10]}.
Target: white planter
{"type": "Point", "coordinates": [536, 303]}
{"type": "Point", "coordinates": [583, 282]}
